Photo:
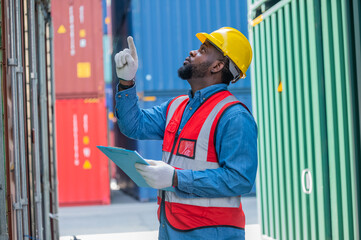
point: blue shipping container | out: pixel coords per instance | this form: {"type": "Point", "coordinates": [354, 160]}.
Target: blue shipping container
{"type": "Point", "coordinates": [164, 34]}
{"type": "Point", "coordinates": [106, 17]}
{"type": "Point", "coordinates": [107, 56]}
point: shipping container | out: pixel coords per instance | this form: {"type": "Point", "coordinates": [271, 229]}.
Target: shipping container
{"type": "Point", "coordinates": [28, 180]}
{"type": "Point", "coordinates": [304, 78]}
{"type": "Point", "coordinates": [82, 169]}
{"type": "Point", "coordinates": [164, 34]}
{"type": "Point", "coordinates": [106, 12]}
{"type": "Point", "coordinates": [78, 52]}
{"type": "Point", "coordinates": [107, 56]}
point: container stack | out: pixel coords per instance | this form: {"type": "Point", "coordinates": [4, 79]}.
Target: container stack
{"type": "Point", "coordinates": [164, 34]}
{"type": "Point", "coordinates": [81, 114]}
{"type": "Point", "coordinates": [109, 92]}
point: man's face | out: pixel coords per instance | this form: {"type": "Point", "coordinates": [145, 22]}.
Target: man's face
{"type": "Point", "coordinates": [199, 62]}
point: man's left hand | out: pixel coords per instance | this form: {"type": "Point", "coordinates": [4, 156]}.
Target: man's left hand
{"type": "Point", "coordinates": [157, 174]}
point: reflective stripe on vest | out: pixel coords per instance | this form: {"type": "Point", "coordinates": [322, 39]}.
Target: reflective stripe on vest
{"type": "Point", "coordinates": [174, 105]}
{"type": "Point", "coordinates": [197, 152]}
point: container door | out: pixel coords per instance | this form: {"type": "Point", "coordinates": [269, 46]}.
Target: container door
{"type": "Point", "coordinates": [302, 110]}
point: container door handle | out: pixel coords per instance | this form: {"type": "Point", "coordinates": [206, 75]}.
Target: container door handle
{"type": "Point", "coordinates": [306, 180]}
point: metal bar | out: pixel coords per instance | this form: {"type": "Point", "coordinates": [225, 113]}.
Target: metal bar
{"type": "Point", "coordinates": [270, 134]}
{"type": "Point", "coordinates": [14, 92]}
{"type": "Point", "coordinates": [269, 12]}
{"type": "Point", "coordinates": [352, 142]}
{"type": "Point", "coordinates": [266, 125]}
{"type": "Point", "coordinates": [318, 162]}
{"type": "Point", "coordinates": [296, 115]}
{"type": "Point", "coordinates": [305, 115]}
{"type": "Point", "coordinates": [354, 50]}
{"type": "Point", "coordinates": [43, 119]}
{"type": "Point", "coordinates": [259, 119]}
{"type": "Point", "coordinates": [3, 218]}
{"type": "Point", "coordinates": [332, 130]}
{"type": "Point", "coordinates": [21, 119]}
{"type": "Point", "coordinates": [280, 160]}
{"type": "Point", "coordinates": [272, 60]}
{"type": "Point", "coordinates": [54, 177]}
{"type": "Point", "coordinates": [284, 21]}
{"type": "Point", "coordinates": [35, 121]}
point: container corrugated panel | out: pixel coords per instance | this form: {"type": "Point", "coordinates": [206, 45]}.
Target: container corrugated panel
{"type": "Point", "coordinates": [105, 17]}
{"type": "Point", "coordinates": [82, 168]}
{"type": "Point", "coordinates": [354, 30]}
{"type": "Point", "coordinates": [303, 110]}
{"type": "Point", "coordinates": [107, 56]}
{"type": "Point", "coordinates": [78, 54]}
{"type": "Point", "coordinates": [109, 97]}
{"type": "Point", "coordinates": [164, 34]}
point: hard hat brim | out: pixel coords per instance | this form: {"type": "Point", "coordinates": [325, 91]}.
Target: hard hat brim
{"type": "Point", "coordinates": [204, 36]}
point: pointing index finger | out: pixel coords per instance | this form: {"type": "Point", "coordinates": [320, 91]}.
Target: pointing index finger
{"type": "Point", "coordinates": [132, 48]}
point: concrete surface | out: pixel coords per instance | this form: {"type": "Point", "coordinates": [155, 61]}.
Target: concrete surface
{"type": "Point", "coordinates": [127, 218]}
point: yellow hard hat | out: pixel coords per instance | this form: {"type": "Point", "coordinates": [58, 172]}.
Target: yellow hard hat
{"type": "Point", "coordinates": [234, 45]}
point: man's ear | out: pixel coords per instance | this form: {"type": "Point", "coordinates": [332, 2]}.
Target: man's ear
{"type": "Point", "coordinates": [217, 66]}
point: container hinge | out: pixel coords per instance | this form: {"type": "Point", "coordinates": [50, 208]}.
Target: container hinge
{"type": "Point", "coordinates": [19, 205]}
{"type": "Point", "coordinates": [33, 75]}
{"type": "Point", "coordinates": [37, 199]}
{"type": "Point", "coordinates": [54, 216]}
{"type": "Point", "coordinates": [24, 202]}
{"type": "Point", "coordinates": [19, 69]}
{"type": "Point", "coordinates": [12, 62]}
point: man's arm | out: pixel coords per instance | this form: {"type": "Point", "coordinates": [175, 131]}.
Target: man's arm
{"type": "Point", "coordinates": [132, 121]}
{"type": "Point", "coordinates": [139, 123]}
{"type": "Point", "coordinates": [236, 146]}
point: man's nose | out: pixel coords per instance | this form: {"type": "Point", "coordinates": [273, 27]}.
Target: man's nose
{"type": "Point", "coordinates": [193, 53]}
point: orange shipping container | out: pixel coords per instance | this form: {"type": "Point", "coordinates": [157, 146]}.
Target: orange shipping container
{"type": "Point", "coordinates": [78, 48]}
{"type": "Point", "coordinates": [83, 171]}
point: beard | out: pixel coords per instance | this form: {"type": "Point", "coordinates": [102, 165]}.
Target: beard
{"type": "Point", "coordinates": [191, 70]}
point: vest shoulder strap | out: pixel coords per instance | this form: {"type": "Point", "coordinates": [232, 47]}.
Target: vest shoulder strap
{"type": "Point", "coordinates": [173, 105]}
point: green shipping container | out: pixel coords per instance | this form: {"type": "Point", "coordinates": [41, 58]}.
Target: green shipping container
{"type": "Point", "coordinates": [306, 86]}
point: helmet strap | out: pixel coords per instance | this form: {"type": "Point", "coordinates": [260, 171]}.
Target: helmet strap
{"type": "Point", "coordinates": [234, 70]}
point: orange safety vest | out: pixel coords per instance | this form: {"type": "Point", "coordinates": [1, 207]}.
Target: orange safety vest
{"type": "Point", "coordinates": [194, 149]}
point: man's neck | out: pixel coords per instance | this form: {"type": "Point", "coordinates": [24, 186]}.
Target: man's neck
{"type": "Point", "coordinates": [200, 83]}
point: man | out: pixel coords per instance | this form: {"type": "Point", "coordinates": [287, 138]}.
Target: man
{"type": "Point", "coordinates": [209, 139]}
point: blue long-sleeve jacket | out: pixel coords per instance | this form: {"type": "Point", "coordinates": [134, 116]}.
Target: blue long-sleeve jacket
{"type": "Point", "coordinates": [236, 143]}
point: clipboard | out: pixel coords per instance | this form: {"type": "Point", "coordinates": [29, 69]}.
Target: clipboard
{"type": "Point", "coordinates": [125, 159]}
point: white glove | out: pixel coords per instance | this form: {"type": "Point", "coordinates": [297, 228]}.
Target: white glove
{"type": "Point", "coordinates": [126, 61]}
{"type": "Point", "coordinates": [157, 174]}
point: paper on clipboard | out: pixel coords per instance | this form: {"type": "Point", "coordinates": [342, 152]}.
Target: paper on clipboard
{"type": "Point", "coordinates": [125, 159]}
